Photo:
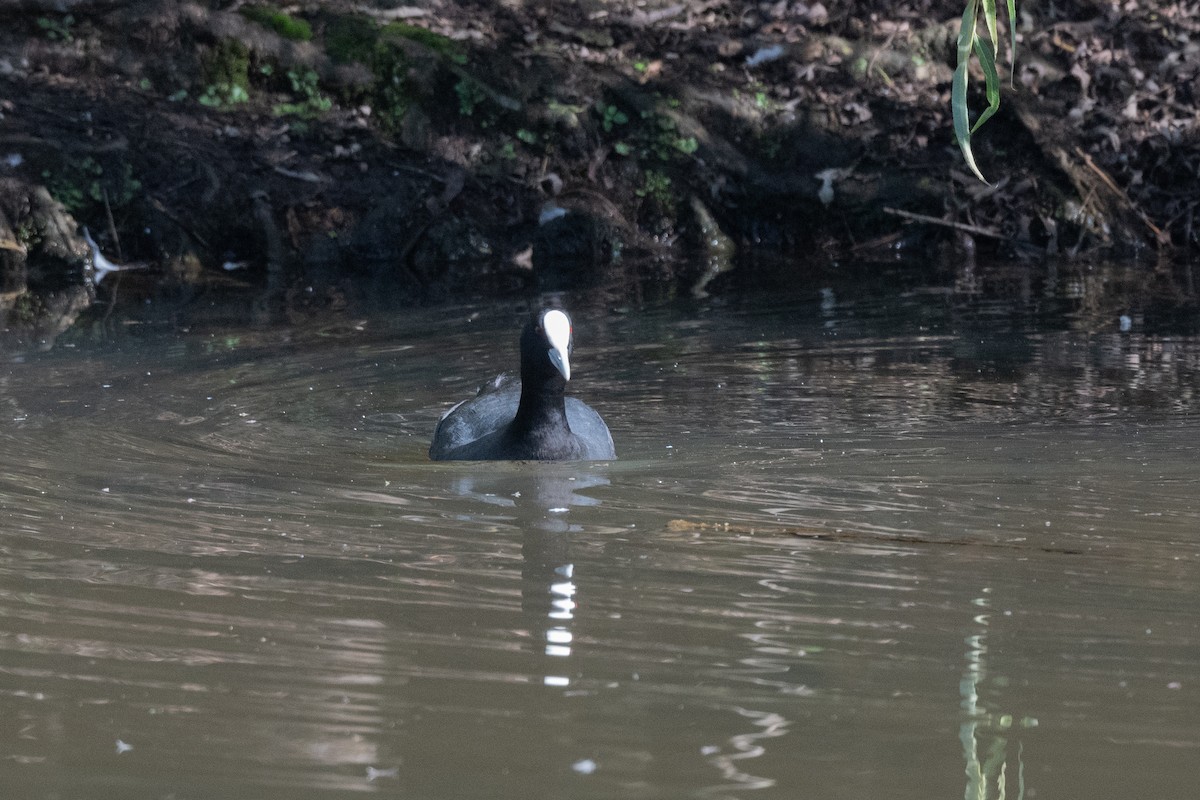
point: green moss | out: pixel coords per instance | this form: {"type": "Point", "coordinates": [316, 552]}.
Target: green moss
{"type": "Point", "coordinates": [358, 38]}
{"type": "Point", "coordinates": [388, 52]}
{"type": "Point", "coordinates": [80, 184]}
{"type": "Point", "coordinates": [306, 87]}
{"type": "Point", "coordinates": [351, 38]}
{"type": "Point", "coordinates": [470, 95]}
{"type": "Point", "coordinates": [26, 309]}
{"type": "Point", "coordinates": [72, 183]}
{"type": "Point", "coordinates": [58, 30]}
{"type": "Point", "coordinates": [222, 95]}
{"type": "Point", "coordinates": [228, 64]}
{"type": "Point", "coordinates": [393, 64]}
{"type": "Point", "coordinates": [28, 235]}
{"type": "Point", "coordinates": [656, 187]}
{"type": "Point", "coordinates": [226, 75]}
{"type": "Point", "coordinates": [612, 116]}
{"type": "Point", "coordinates": [434, 41]}
{"type": "Point", "coordinates": [652, 134]}
{"type": "Point", "coordinates": [284, 24]}
{"type": "Point", "coordinates": [391, 92]}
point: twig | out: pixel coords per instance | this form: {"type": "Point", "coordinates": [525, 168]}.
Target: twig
{"type": "Point", "coordinates": [112, 231]}
{"type": "Point", "coordinates": [842, 535]}
{"type": "Point", "coordinates": [1107, 180]}
{"type": "Point", "coordinates": [424, 173]}
{"type": "Point", "coordinates": [120, 143]}
{"type": "Point", "coordinates": [875, 57]}
{"type": "Point", "coordinates": [945, 223]}
{"type": "Point", "coordinates": [643, 19]}
{"type": "Point", "coordinates": [162, 209]}
{"type": "Point", "coordinates": [308, 176]}
{"type": "Point", "coordinates": [388, 15]}
{"type": "Point", "coordinates": [112, 226]}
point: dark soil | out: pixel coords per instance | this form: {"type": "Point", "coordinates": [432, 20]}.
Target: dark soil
{"type": "Point", "coordinates": [350, 154]}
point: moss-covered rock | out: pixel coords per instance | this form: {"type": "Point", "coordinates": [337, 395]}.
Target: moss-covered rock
{"type": "Point", "coordinates": [284, 24]}
{"type": "Point", "coordinates": [405, 61]}
{"type": "Point", "coordinates": [351, 38]}
{"type": "Point", "coordinates": [226, 69]}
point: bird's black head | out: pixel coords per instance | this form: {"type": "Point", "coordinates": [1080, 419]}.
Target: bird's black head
{"type": "Point", "coordinates": [546, 345]}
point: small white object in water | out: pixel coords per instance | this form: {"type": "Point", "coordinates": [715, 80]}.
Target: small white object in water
{"type": "Point", "coordinates": [390, 772]}
{"type": "Point", "coordinates": [1126, 323]}
{"type": "Point", "coordinates": [101, 266]}
{"type": "Point", "coordinates": [828, 301]}
{"type": "Point", "coordinates": [14, 160]}
{"type": "Point", "coordinates": [827, 177]}
{"type": "Point", "coordinates": [764, 54]}
{"type": "Point", "coordinates": [584, 766]}
{"type": "Point", "coordinates": [230, 266]}
{"type": "Point", "coordinates": [123, 747]}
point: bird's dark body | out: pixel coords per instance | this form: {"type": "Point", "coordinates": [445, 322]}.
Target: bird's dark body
{"type": "Point", "coordinates": [527, 418]}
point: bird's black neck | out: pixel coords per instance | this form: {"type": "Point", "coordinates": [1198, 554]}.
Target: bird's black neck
{"type": "Point", "coordinates": [543, 404]}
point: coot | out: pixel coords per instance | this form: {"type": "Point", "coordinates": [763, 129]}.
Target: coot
{"type": "Point", "coordinates": [528, 418]}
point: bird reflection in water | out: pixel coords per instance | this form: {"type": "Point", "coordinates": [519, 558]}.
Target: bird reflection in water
{"type": "Point", "coordinates": [541, 497]}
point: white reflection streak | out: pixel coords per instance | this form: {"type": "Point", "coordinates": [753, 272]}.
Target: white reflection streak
{"type": "Point", "coordinates": [558, 641]}
{"type": "Point", "coordinates": [747, 746]}
{"type": "Point", "coordinates": [562, 609]}
{"type": "Point", "coordinates": [979, 720]}
{"type": "Point", "coordinates": [968, 689]}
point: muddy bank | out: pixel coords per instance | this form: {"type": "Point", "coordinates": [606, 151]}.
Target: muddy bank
{"type": "Point", "coordinates": [257, 164]}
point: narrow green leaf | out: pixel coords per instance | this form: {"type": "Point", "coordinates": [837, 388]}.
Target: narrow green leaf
{"type": "Point", "coordinates": [966, 32]}
{"type": "Point", "coordinates": [958, 88]}
{"type": "Point", "coordinates": [991, 82]}
{"type": "Point", "coordinates": [962, 131]}
{"type": "Point", "coordinates": [1012, 32]}
{"type": "Point", "coordinates": [989, 18]}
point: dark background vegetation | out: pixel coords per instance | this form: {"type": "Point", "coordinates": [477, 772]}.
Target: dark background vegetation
{"type": "Point", "coordinates": [267, 162]}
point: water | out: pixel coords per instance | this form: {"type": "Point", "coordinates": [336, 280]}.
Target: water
{"type": "Point", "coordinates": [848, 551]}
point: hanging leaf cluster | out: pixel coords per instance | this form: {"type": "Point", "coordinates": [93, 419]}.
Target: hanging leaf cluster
{"type": "Point", "coordinates": [986, 49]}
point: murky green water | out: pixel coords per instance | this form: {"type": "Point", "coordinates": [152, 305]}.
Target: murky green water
{"type": "Point", "coordinates": [921, 559]}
